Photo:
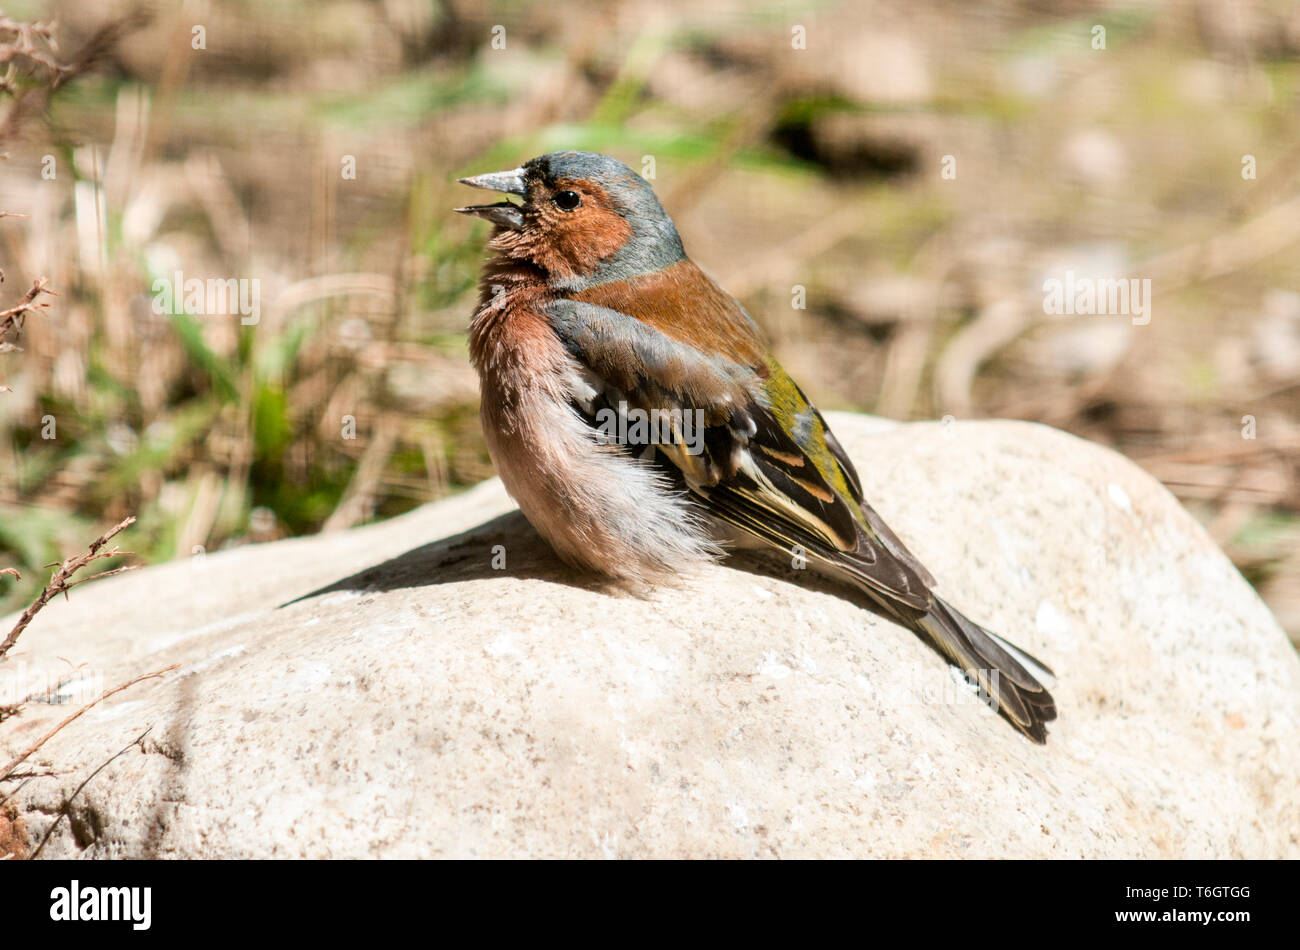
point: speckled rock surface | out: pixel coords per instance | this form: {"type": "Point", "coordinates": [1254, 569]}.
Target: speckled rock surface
{"type": "Point", "coordinates": [388, 692]}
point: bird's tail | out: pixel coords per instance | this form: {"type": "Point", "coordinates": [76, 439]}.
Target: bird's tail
{"type": "Point", "coordinates": [1004, 673]}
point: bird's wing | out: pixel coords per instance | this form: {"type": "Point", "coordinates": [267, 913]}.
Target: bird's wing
{"type": "Point", "coordinates": [767, 462]}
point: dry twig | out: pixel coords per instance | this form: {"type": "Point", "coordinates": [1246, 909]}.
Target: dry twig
{"type": "Point", "coordinates": [32, 67]}
{"type": "Point", "coordinates": [59, 582]}
{"type": "Point", "coordinates": [16, 315]}
{"type": "Point", "coordinates": [33, 42]}
{"type": "Point", "coordinates": [7, 771]}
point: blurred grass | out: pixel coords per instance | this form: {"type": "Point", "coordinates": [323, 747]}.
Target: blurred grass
{"type": "Point", "coordinates": [817, 168]}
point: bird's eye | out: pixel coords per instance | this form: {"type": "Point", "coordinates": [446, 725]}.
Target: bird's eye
{"type": "Point", "coordinates": [567, 200]}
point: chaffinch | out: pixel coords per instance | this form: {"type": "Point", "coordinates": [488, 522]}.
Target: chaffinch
{"type": "Point", "coordinates": [635, 414]}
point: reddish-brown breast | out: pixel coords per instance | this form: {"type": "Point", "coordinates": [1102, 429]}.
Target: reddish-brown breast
{"type": "Point", "coordinates": [511, 342]}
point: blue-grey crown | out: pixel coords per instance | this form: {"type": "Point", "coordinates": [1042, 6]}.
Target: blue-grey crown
{"type": "Point", "coordinates": [655, 243]}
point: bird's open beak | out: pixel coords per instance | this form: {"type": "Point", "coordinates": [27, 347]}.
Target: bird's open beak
{"type": "Point", "coordinates": [504, 213]}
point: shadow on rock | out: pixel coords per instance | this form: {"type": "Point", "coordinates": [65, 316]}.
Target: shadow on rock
{"type": "Point", "coordinates": [506, 546]}
{"type": "Point", "coordinates": [471, 554]}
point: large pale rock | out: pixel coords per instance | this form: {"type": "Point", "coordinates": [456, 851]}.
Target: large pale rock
{"type": "Point", "coordinates": [387, 692]}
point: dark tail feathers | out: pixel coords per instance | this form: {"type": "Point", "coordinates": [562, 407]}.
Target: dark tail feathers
{"type": "Point", "coordinates": [1003, 672]}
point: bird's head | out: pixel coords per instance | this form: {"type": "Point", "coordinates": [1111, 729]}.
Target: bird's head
{"type": "Point", "coordinates": [583, 219]}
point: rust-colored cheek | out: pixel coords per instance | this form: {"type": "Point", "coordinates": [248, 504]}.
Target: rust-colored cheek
{"type": "Point", "coordinates": [573, 243]}
{"type": "Point", "coordinates": [589, 238]}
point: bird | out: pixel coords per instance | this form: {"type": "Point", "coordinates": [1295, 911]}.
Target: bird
{"type": "Point", "coordinates": [590, 312]}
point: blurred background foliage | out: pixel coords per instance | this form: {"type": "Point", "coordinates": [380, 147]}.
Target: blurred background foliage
{"type": "Point", "coordinates": [818, 168]}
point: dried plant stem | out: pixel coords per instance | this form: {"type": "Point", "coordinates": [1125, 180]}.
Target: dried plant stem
{"type": "Point", "coordinates": [33, 42]}
{"type": "Point", "coordinates": [7, 771]}
{"type": "Point", "coordinates": [15, 314]}
{"type": "Point", "coordinates": [59, 582]}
